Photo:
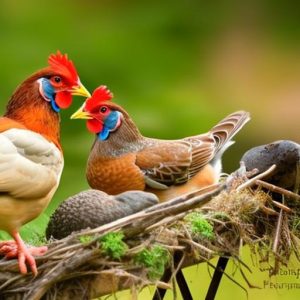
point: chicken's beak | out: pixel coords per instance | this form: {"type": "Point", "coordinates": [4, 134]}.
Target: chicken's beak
{"type": "Point", "coordinates": [80, 90]}
{"type": "Point", "coordinates": [81, 114]}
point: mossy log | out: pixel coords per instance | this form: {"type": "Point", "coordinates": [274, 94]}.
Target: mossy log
{"type": "Point", "coordinates": [215, 221]}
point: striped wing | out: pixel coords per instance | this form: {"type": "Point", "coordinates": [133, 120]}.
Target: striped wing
{"type": "Point", "coordinates": [203, 151]}
{"type": "Point", "coordinates": [211, 146]}
{"type": "Point", "coordinates": [166, 163]}
{"type": "Point", "coordinates": [173, 162]}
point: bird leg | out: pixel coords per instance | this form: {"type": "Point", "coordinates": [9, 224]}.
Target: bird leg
{"type": "Point", "coordinates": [24, 255]}
{"type": "Point", "coordinates": [17, 248]}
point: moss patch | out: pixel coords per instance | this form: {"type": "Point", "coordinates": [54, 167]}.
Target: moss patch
{"type": "Point", "coordinates": [199, 226]}
{"type": "Point", "coordinates": [112, 245]}
{"type": "Point", "coordinates": [154, 259]}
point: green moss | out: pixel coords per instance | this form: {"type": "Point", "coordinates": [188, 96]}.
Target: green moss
{"type": "Point", "coordinates": [200, 226]}
{"type": "Point", "coordinates": [85, 239]}
{"type": "Point", "coordinates": [112, 245]}
{"type": "Point", "coordinates": [154, 259]}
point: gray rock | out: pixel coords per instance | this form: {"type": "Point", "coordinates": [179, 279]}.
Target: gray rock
{"type": "Point", "coordinates": [285, 154]}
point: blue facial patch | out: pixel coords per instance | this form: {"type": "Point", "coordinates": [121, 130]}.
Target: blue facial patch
{"type": "Point", "coordinates": [103, 135]}
{"type": "Point", "coordinates": [54, 106]}
{"type": "Point", "coordinates": [112, 120]}
{"type": "Point", "coordinates": [48, 93]}
{"type": "Point", "coordinates": [48, 89]}
{"type": "Point", "coordinates": [110, 124]}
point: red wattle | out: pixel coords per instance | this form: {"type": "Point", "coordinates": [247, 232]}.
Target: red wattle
{"type": "Point", "coordinates": [63, 99]}
{"type": "Point", "coordinates": [94, 126]}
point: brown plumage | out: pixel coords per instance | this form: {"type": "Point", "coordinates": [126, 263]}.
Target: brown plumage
{"type": "Point", "coordinates": [31, 158]}
{"type": "Point", "coordinates": [122, 159]}
{"type": "Point", "coordinates": [28, 108]}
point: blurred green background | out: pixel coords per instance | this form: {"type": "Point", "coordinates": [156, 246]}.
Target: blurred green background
{"type": "Point", "coordinates": [177, 66]}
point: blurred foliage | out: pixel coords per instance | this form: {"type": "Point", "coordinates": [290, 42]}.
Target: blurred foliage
{"type": "Point", "coordinates": [177, 66]}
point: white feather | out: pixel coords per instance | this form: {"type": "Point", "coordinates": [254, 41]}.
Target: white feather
{"type": "Point", "coordinates": [30, 171]}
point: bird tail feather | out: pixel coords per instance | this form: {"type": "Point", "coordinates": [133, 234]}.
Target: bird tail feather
{"type": "Point", "coordinates": [226, 129]}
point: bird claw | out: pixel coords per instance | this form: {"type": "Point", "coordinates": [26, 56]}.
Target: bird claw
{"type": "Point", "coordinates": [23, 257]}
{"type": "Point", "coordinates": [10, 250]}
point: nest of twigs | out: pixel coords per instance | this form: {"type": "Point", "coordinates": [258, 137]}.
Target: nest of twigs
{"type": "Point", "coordinates": [136, 250]}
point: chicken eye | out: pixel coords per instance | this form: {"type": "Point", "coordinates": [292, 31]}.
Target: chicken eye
{"type": "Point", "coordinates": [57, 79]}
{"type": "Point", "coordinates": [103, 109]}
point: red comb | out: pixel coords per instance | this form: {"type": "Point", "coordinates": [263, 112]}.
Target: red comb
{"type": "Point", "coordinates": [62, 65]}
{"type": "Point", "coordinates": [100, 94]}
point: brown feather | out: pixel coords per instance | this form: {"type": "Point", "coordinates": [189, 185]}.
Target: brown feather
{"type": "Point", "coordinates": [165, 162]}
{"type": "Point", "coordinates": [122, 161]}
{"type": "Point", "coordinates": [28, 108]}
{"type": "Point", "coordinates": [111, 175]}
{"type": "Point", "coordinates": [205, 177]}
{"type": "Point", "coordinates": [229, 127]}
{"type": "Point", "coordinates": [6, 123]}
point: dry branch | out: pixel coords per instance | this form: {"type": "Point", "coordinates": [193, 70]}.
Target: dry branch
{"type": "Point", "coordinates": [238, 211]}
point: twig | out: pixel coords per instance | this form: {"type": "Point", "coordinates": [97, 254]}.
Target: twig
{"type": "Point", "coordinates": [9, 281]}
{"type": "Point", "coordinates": [185, 197]}
{"type": "Point", "coordinates": [277, 233]}
{"type": "Point", "coordinates": [39, 288]}
{"type": "Point", "coordinates": [201, 247]}
{"type": "Point", "coordinates": [166, 221]}
{"type": "Point", "coordinates": [277, 189]}
{"type": "Point", "coordinates": [252, 181]}
{"type": "Point", "coordinates": [172, 207]}
{"type": "Point", "coordinates": [282, 206]}
{"type": "Point", "coordinates": [269, 211]}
